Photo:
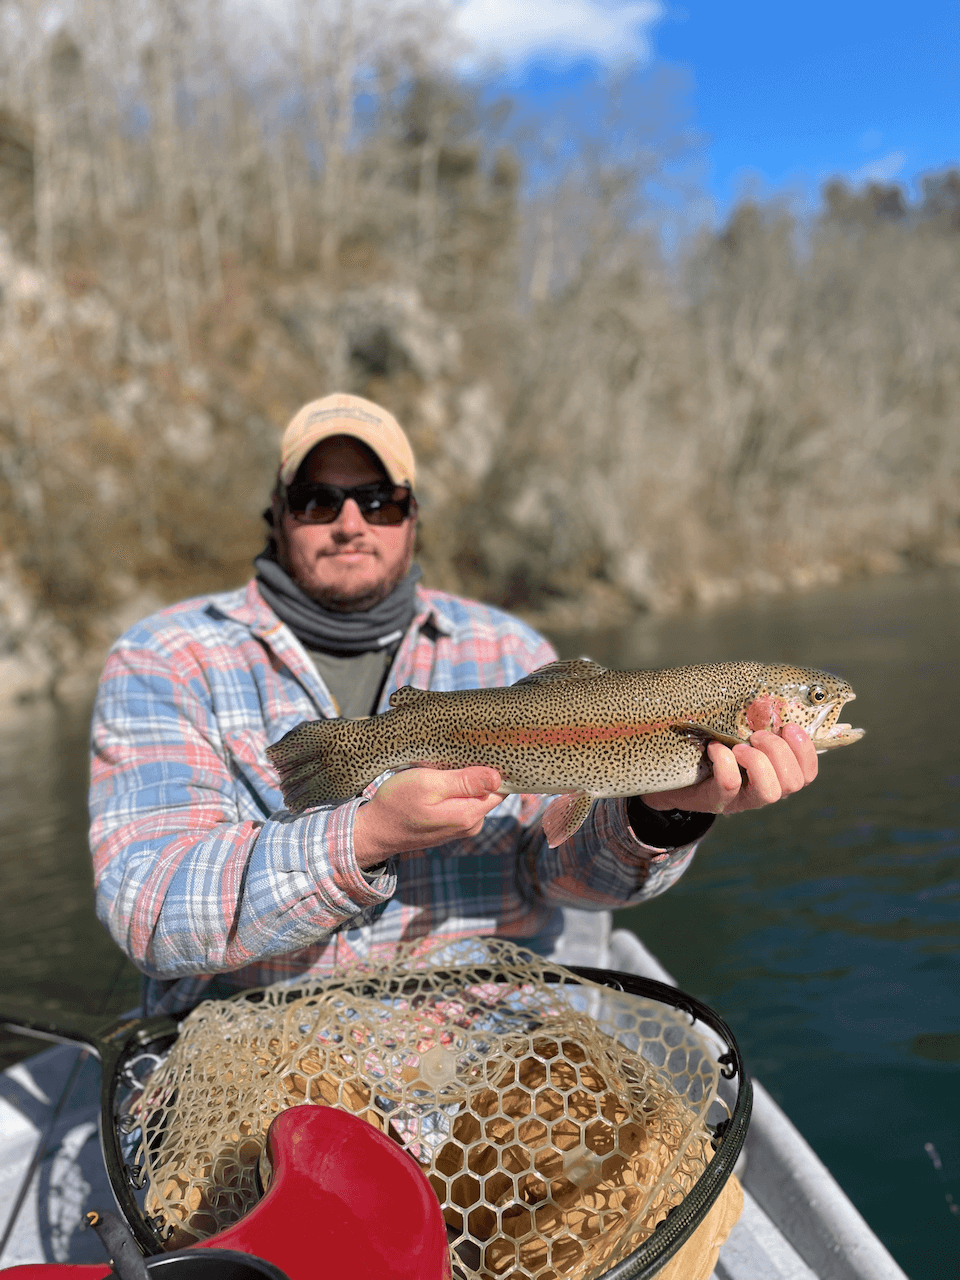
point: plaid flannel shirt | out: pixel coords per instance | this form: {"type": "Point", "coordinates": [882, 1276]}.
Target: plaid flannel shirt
{"type": "Point", "coordinates": [210, 886]}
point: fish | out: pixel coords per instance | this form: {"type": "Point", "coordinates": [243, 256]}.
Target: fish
{"type": "Point", "coordinates": [571, 729]}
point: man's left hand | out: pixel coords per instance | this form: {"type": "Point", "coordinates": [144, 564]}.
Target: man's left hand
{"type": "Point", "coordinates": [773, 766]}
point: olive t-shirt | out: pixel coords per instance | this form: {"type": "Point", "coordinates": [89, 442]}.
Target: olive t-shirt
{"type": "Point", "coordinates": [354, 681]}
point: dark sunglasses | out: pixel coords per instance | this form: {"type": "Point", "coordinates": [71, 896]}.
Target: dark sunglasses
{"type": "Point", "coordinates": [322, 503]}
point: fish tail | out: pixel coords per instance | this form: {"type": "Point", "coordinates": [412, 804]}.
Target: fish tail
{"type": "Point", "coordinates": [322, 762]}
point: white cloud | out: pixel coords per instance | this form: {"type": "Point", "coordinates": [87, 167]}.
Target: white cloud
{"type": "Point", "coordinates": [516, 31]}
{"type": "Point", "coordinates": [883, 169]}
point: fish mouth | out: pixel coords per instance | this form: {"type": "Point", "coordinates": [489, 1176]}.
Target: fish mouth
{"type": "Point", "coordinates": [825, 728]}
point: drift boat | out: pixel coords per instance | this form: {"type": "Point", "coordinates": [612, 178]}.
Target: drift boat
{"type": "Point", "coordinates": [797, 1223]}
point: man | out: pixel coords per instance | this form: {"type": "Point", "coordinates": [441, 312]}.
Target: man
{"type": "Point", "coordinates": [204, 879]}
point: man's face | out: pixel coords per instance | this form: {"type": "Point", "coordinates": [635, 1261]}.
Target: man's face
{"type": "Point", "coordinates": [348, 565]}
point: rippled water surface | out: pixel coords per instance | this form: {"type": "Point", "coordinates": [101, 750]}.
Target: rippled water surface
{"type": "Point", "coordinates": [826, 930]}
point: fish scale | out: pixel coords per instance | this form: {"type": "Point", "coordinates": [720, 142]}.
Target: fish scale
{"type": "Point", "coordinates": [572, 729]}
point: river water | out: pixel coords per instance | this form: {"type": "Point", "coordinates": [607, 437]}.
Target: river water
{"type": "Point", "coordinates": [826, 930]}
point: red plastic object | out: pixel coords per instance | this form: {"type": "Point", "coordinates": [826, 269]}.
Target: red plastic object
{"type": "Point", "coordinates": [56, 1271]}
{"type": "Point", "coordinates": [344, 1203]}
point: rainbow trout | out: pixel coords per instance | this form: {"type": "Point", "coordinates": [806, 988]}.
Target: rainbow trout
{"type": "Point", "coordinates": [570, 729]}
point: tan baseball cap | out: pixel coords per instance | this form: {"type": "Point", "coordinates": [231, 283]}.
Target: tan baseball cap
{"type": "Point", "coordinates": [346, 415]}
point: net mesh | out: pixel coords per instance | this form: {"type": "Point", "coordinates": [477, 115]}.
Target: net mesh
{"type": "Point", "coordinates": [558, 1121]}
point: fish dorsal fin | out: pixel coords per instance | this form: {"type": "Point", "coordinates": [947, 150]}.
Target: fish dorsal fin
{"type": "Point", "coordinates": [406, 694]}
{"type": "Point", "coordinates": [574, 669]}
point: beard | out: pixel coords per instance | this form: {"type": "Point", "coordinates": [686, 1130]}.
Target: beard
{"type": "Point", "coordinates": [341, 600]}
{"type": "Point", "coordinates": [343, 596]}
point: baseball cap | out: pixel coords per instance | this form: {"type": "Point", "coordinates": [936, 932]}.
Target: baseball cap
{"type": "Point", "coordinates": [345, 415]}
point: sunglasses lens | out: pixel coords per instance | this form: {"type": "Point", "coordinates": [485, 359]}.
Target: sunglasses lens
{"type": "Point", "coordinates": [390, 512]}
{"type": "Point", "coordinates": [314, 503]}
{"type": "Point", "coordinates": [321, 512]}
{"type": "Point", "coordinates": [322, 503]}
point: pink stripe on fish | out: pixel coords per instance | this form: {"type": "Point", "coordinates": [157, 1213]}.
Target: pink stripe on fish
{"type": "Point", "coordinates": [559, 735]}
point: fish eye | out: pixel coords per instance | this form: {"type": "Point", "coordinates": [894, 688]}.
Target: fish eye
{"type": "Point", "coordinates": [816, 693]}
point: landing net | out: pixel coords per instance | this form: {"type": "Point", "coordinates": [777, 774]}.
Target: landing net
{"type": "Point", "coordinates": [557, 1120]}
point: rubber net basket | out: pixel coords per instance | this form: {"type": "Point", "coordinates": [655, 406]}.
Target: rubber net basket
{"type": "Point", "coordinates": [558, 1120]}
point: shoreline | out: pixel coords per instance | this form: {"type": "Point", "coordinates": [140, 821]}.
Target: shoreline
{"type": "Point", "coordinates": [30, 677]}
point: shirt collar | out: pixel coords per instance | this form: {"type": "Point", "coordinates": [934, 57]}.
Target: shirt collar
{"type": "Point", "coordinates": [432, 613]}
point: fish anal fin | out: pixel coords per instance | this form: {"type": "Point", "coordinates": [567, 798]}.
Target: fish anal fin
{"type": "Point", "coordinates": [690, 729]}
{"type": "Point", "coordinates": [406, 694]}
{"type": "Point", "coordinates": [565, 815]}
{"type": "Point", "coordinates": [573, 669]}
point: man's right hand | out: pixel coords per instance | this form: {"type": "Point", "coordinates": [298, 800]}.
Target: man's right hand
{"type": "Point", "coordinates": [420, 808]}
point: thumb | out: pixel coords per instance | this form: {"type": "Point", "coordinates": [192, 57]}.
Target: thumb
{"type": "Point", "coordinates": [477, 781]}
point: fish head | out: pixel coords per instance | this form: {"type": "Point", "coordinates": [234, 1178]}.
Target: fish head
{"type": "Point", "coordinates": [811, 699]}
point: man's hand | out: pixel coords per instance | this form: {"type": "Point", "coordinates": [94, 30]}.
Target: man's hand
{"type": "Point", "coordinates": [775, 766]}
{"type": "Point", "coordinates": [419, 808]}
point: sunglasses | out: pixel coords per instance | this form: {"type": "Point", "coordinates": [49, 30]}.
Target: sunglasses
{"type": "Point", "coordinates": [322, 503]}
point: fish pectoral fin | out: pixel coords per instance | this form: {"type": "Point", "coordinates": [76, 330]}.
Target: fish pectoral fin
{"type": "Point", "coordinates": [690, 729]}
{"type": "Point", "coordinates": [564, 816]}
{"type": "Point", "coordinates": [574, 669]}
{"type": "Point", "coordinates": [406, 694]}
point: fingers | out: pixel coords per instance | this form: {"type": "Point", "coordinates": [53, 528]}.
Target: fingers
{"type": "Point", "coordinates": [805, 752]}
{"type": "Point", "coordinates": [476, 781]}
{"type": "Point", "coordinates": [761, 785]}
{"type": "Point", "coordinates": [791, 755]}
{"type": "Point", "coordinates": [775, 766]}
{"type": "Point", "coordinates": [727, 779]}
{"type": "Point", "coordinates": [713, 795]}
{"type": "Point", "coordinates": [420, 808]}
{"type": "Point", "coordinates": [467, 796]}
{"type": "Point", "coordinates": [750, 776]}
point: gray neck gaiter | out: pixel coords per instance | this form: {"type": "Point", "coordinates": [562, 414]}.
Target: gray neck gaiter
{"type": "Point", "coordinates": [379, 628]}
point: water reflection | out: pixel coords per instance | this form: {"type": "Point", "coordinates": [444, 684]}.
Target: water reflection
{"type": "Point", "coordinates": [937, 1048]}
{"type": "Point", "coordinates": [51, 945]}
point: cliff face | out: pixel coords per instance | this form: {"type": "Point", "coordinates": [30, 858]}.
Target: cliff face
{"type": "Point", "coordinates": [131, 479]}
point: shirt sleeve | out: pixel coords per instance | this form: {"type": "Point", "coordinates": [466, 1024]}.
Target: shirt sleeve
{"type": "Point", "coordinates": [604, 866]}
{"type": "Point", "coordinates": [188, 883]}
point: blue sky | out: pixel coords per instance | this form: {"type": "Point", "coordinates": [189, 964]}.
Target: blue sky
{"type": "Point", "coordinates": [784, 96]}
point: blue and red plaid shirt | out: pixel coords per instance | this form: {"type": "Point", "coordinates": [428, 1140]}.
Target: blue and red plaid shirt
{"type": "Point", "coordinates": [210, 886]}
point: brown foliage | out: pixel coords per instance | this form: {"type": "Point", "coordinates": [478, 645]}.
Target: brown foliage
{"type": "Point", "coordinates": [190, 252]}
